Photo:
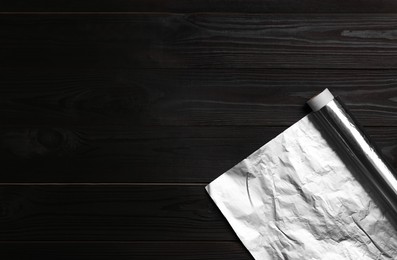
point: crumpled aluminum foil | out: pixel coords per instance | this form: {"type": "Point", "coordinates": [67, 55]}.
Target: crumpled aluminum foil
{"type": "Point", "coordinates": [296, 198]}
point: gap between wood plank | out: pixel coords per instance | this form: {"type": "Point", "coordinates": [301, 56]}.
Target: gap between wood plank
{"type": "Point", "coordinates": [102, 184]}
{"type": "Point", "coordinates": [117, 242]}
{"type": "Point", "coordinates": [190, 13]}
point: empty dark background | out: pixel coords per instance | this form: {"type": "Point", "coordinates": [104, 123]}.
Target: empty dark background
{"type": "Point", "coordinates": [114, 115]}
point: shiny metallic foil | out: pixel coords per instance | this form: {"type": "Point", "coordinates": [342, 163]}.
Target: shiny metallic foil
{"type": "Point", "coordinates": [343, 129]}
{"type": "Point", "coordinates": [319, 190]}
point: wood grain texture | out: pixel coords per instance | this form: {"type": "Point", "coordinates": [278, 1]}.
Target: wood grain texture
{"type": "Point", "coordinates": [160, 40]}
{"type": "Point", "coordinates": [175, 97]}
{"type": "Point", "coordinates": [110, 213]}
{"type": "Point", "coordinates": [111, 154]}
{"type": "Point", "coordinates": [112, 123]}
{"type": "Point", "coordinates": [173, 250]}
{"type": "Point", "coordinates": [186, 6]}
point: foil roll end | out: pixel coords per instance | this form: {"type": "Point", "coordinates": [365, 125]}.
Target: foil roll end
{"type": "Point", "coordinates": [320, 100]}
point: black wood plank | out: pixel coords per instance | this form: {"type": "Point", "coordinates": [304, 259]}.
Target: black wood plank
{"type": "Point", "coordinates": [110, 213]}
{"type": "Point", "coordinates": [174, 250]}
{"type": "Point", "coordinates": [254, 6]}
{"type": "Point", "coordinates": [162, 40]}
{"type": "Point", "coordinates": [139, 154]}
{"type": "Point", "coordinates": [114, 154]}
{"type": "Point", "coordinates": [164, 97]}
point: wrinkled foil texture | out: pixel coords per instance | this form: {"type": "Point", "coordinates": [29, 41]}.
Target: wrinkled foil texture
{"type": "Point", "coordinates": [297, 198]}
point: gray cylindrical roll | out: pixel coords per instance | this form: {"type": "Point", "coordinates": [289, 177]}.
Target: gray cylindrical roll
{"type": "Point", "coordinates": [344, 131]}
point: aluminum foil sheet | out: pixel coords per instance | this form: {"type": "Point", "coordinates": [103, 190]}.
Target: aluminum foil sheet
{"type": "Point", "coordinates": [319, 190]}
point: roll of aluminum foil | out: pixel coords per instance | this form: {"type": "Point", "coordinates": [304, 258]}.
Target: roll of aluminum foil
{"type": "Point", "coordinates": [319, 190]}
{"type": "Point", "coordinates": [342, 129]}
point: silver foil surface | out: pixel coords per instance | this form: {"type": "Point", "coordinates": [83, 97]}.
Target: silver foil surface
{"type": "Point", "coordinates": [319, 190]}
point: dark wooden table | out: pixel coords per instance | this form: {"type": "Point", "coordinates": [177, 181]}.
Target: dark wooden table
{"type": "Point", "coordinates": [114, 115]}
